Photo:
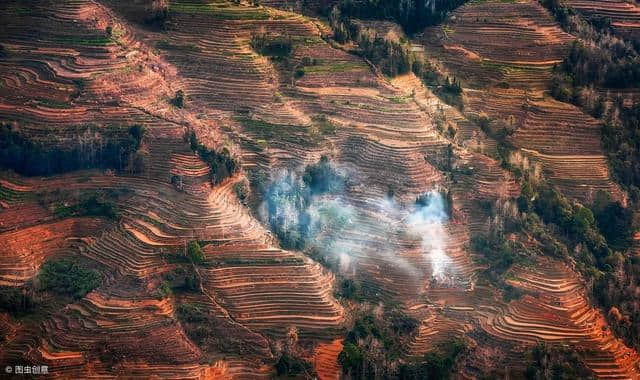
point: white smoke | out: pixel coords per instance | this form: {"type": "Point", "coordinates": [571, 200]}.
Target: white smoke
{"type": "Point", "coordinates": [428, 221]}
{"type": "Point", "coordinates": [337, 227]}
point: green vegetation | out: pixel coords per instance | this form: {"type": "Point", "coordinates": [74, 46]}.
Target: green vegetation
{"type": "Point", "coordinates": [272, 45]}
{"type": "Point", "coordinates": [350, 290]}
{"type": "Point", "coordinates": [242, 191]}
{"type": "Point", "coordinates": [166, 45]}
{"type": "Point", "coordinates": [333, 67]}
{"type": "Point", "coordinates": [371, 350]}
{"type": "Point", "coordinates": [220, 11]}
{"type": "Point", "coordinates": [555, 362]}
{"type": "Point", "coordinates": [35, 159]}
{"type": "Point", "coordinates": [392, 57]}
{"type": "Point", "coordinates": [67, 277]}
{"type": "Point", "coordinates": [621, 142]}
{"type": "Point", "coordinates": [16, 301]}
{"type": "Point", "coordinates": [325, 126]}
{"type": "Point", "coordinates": [195, 253]}
{"type": "Point", "coordinates": [290, 366]}
{"type": "Point", "coordinates": [221, 163]}
{"type": "Point", "coordinates": [159, 17]}
{"type": "Point", "coordinates": [211, 333]}
{"type": "Point", "coordinates": [413, 15]}
{"type": "Point", "coordinates": [437, 364]}
{"type": "Point", "coordinates": [163, 291]}
{"type": "Point", "coordinates": [595, 236]}
{"type": "Point", "coordinates": [91, 206]}
{"type": "Point", "coordinates": [497, 252]}
{"type": "Point", "coordinates": [322, 178]}
{"type": "Point", "coordinates": [600, 59]}
{"type": "Point", "coordinates": [288, 202]}
{"type": "Point", "coordinates": [179, 99]}
{"type": "Point", "coordinates": [99, 40]}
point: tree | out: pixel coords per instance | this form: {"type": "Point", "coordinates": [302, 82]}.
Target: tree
{"type": "Point", "coordinates": [67, 277]}
{"type": "Point", "coordinates": [179, 99]}
{"type": "Point", "coordinates": [195, 253]}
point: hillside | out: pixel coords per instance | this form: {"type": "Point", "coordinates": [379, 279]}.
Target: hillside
{"type": "Point", "coordinates": [245, 190]}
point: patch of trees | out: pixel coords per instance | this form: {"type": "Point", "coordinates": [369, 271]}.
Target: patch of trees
{"type": "Point", "coordinates": [437, 364]}
{"type": "Point", "coordinates": [29, 158]}
{"type": "Point", "coordinates": [609, 226]}
{"type": "Point", "coordinates": [67, 277]}
{"type": "Point", "coordinates": [91, 206]}
{"type": "Point", "coordinates": [555, 362]}
{"type": "Point", "coordinates": [222, 164]}
{"type": "Point", "coordinates": [599, 59]}
{"type": "Point", "coordinates": [595, 236]}
{"type": "Point", "coordinates": [621, 141]}
{"type": "Point", "coordinates": [212, 333]}
{"type": "Point", "coordinates": [288, 198]}
{"type": "Point", "coordinates": [498, 252]}
{"type": "Point", "coordinates": [349, 289]}
{"type": "Point", "coordinates": [16, 301]}
{"type": "Point", "coordinates": [277, 46]}
{"type": "Point", "coordinates": [322, 178]}
{"type": "Point", "coordinates": [372, 346]}
{"type": "Point", "coordinates": [616, 292]}
{"type": "Point", "coordinates": [159, 17]}
{"type": "Point", "coordinates": [393, 57]}
{"type": "Point", "coordinates": [413, 15]}
{"type": "Point", "coordinates": [195, 253]}
{"type": "Point", "coordinates": [291, 366]}
{"type": "Point", "coordinates": [179, 99]}
{"type": "Point", "coordinates": [427, 199]}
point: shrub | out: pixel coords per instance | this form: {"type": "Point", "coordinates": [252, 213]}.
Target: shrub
{"type": "Point", "coordinates": [272, 46]}
{"type": "Point", "coordinates": [67, 277]}
{"type": "Point", "coordinates": [322, 177]}
{"type": "Point", "coordinates": [242, 191]}
{"type": "Point", "coordinates": [437, 364]}
{"type": "Point", "coordinates": [351, 358]}
{"type": "Point", "coordinates": [164, 291]}
{"type": "Point", "coordinates": [291, 366]}
{"type": "Point", "coordinates": [191, 313]}
{"type": "Point", "coordinates": [221, 163]}
{"type": "Point", "coordinates": [92, 206]}
{"type": "Point", "coordinates": [195, 253]}
{"type": "Point", "coordinates": [179, 99]}
{"type": "Point", "coordinates": [350, 290]}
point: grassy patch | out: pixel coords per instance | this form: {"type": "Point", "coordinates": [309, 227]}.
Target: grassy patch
{"type": "Point", "coordinates": [53, 104]}
{"type": "Point", "coordinates": [85, 40]}
{"type": "Point", "coordinates": [166, 45]}
{"type": "Point", "coordinates": [221, 11]}
{"type": "Point", "coordinates": [264, 131]}
{"type": "Point", "coordinates": [334, 67]}
{"type": "Point", "coordinates": [399, 99]}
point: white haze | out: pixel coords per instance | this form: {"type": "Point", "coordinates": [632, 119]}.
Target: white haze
{"type": "Point", "coordinates": [332, 219]}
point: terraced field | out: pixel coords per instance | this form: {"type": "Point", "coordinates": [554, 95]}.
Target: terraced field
{"type": "Point", "coordinates": [505, 82]}
{"type": "Point", "coordinates": [624, 16]}
{"type": "Point", "coordinates": [95, 63]}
